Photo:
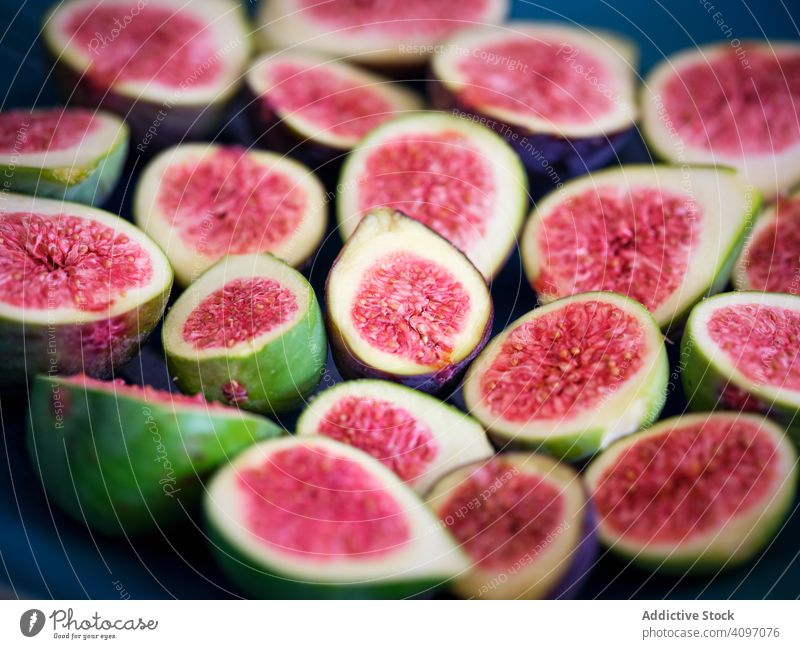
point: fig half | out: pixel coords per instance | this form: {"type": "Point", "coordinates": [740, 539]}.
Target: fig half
{"type": "Point", "coordinates": [82, 289]}
{"type": "Point", "coordinates": [664, 236]}
{"type": "Point", "coordinates": [563, 97]}
{"type": "Point", "coordinates": [729, 106]}
{"type": "Point", "coordinates": [572, 376]}
{"type": "Point", "coordinates": [167, 66]}
{"type": "Point", "coordinates": [201, 202]}
{"type": "Point", "coordinates": [385, 34]}
{"type": "Point", "coordinates": [404, 304]}
{"type": "Point", "coordinates": [316, 109]}
{"type": "Point", "coordinates": [70, 153]}
{"type": "Point", "coordinates": [417, 436]}
{"type": "Point", "coordinates": [457, 177]}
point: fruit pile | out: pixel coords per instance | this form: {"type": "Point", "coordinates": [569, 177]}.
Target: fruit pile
{"type": "Point", "coordinates": [387, 488]}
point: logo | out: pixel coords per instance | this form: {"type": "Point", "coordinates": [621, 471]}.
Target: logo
{"type": "Point", "coordinates": [31, 622]}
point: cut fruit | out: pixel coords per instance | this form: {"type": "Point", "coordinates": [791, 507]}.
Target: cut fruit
{"type": "Point", "coordinates": [129, 460]}
{"type": "Point", "coordinates": [167, 66]}
{"type": "Point", "coordinates": [67, 153]}
{"type": "Point", "coordinates": [417, 436]}
{"type": "Point", "coordinates": [741, 352]}
{"type": "Point", "coordinates": [81, 289]}
{"type": "Point", "coordinates": [404, 304]}
{"type": "Point", "coordinates": [248, 332]}
{"type": "Point", "coordinates": [664, 236]}
{"type": "Point", "coordinates": [564, 97]}
{"type": "Point", "coordinates": [201, 202]}
{"type": "Point", "coordinates": [455, 176]}
{"type": "Point", "coordinates": [316, 109]}
{"type": "Point", "coordinates": [313, 517]}
{"type": "Point", "coordinates": [695, 493]}
{"type": "Point", "coordinates": [769, 260]}
{"type": "Point", "coordinates": [388, 34]}
{"type": "Point", "coordinates": [729, 106]}
{"type": "Point", "coordinates": [572, 376]}
{"type": "Point", "coordinates": [525, 523]}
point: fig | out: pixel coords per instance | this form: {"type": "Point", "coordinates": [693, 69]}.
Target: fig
{"type": "Point", "coordinates": [167, 66]}
{"type": "Point", "coordinates": [130, 460]}
{"type": "Point", "coordinates": [457, 177]}
{"type": "Point", "coordinates": [769, 260]}
{"type": "Point", "coordinates": [201, 202]}
{"type": "Point", "coordinates": [316, 109]}
{"type": "Point", "coordinates": [313, 517]}
{"type": "Point", "coordinates": [70, 153]}
{"type": "Point", "coordinates": [403, 304]}
{"type": "Point", "coordinates": [697, 493]}
{"type": "Point", "coordinates": [524, 521]}
{"type": "Point", "coordinates": [563, 97]}
{"type": "Point", "coordinates": [249, 332]}
{"type": "Point", "coordinates": [729, 106]}
{"type": "Point", "coordinates": [385, 34]}
{"type": "Point", "coordinates": [572, 376]}
{"type": "Point", "coordinates": [740, 353]}
{"type": "Point", "coordinates": [417, 436]}
{"type": "Point", "coordinates": [664, 236]}
{"type": "Point", "coordinates": [82, 289]}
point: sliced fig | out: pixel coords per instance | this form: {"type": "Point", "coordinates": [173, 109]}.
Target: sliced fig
{"type": "Point", "coordinates": [248, 332]}
{"type": "Point", "coordinates": [381, 34]}
{"type": "Point", "coordinates": [167, 66]}
{"type": "Point", "coordinates": [455, 176]}
{"type": "Point", "coordinates": [317, 109]}
{"type": "Point", "coordinates": [563, 97]}
{"type": "Point", "coordinates": [697, 493]}
{"type": "Point", "coordinates": [130, 460]}
{"type": "Point", "coordinates": [729, 106]}
{"type": "Point", "coordinates": [769, 259]}
{"type": "Point", "coordinates": [81, 289]}
{"type": "Point", "coordinates": [525, 523]}
{"type": "Point", "coordinates": [312, 517]}
{"type": "Point", "coordinates": [201, 202]}
{"type": "Point", "coordinates": [664, 236]}
{"type": "Point", "coordinates": [572, 376]}
{"type": "Point", "coordinates": [68, 153]}
{"type": "Point", "coordinates": [740, 352]}
{"type": "Point", "coordinates": [404, 304]}
{"type": "Point", "coordinates": [417, 436]}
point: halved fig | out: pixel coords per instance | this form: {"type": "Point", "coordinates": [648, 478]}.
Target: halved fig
{"type": "Point", "coordinates": [379, 34]}
{"type": "Point", "coordinates": [524, 521]}
{"type": "Point", "coordinates": [564, 97]}
{"type": "Point", "coordinates": [317, 109]}
{"type": "Point", "coordinates": [664, 236]}
{"type": "Point", "coordinates": [404, 304]}
{"type": "Point", "coordinates": [740, 351]}
{"type": "Point", "coordinates": [572, 376]}
{"type": "Point", "coordinates": [769, 259]}
{"type": "Point", "coordinates": [167, 66]}
{"type": "Point", "coordinates": [248, 332]}
{"type": "Point", "coordinates": [81, 291]}
{"type": "Point", "coordinates": [201, 202]}
{"type": "Point", "coordinates": [729, 106]}
{"type": "Point", "coordinates": [312, 517]}
{"type": "Point", "coordinates": [455, 176]}
{"type": "Point", "coordinates": [417, 436]}
{"type": "Point", "coordinates": [128, 460]}
{"type": "Point", "coordinates": [697, 493]}
{"type": "Point", "coordinates": [68, 153]}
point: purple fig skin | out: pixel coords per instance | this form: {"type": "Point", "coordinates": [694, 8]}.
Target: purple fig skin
{"type": "Point", "coordinates": [154, 125]}
{"type": "Point", "coordinates": [583, 561]}
{"type": "Point", "coordinates": [541, 153]}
